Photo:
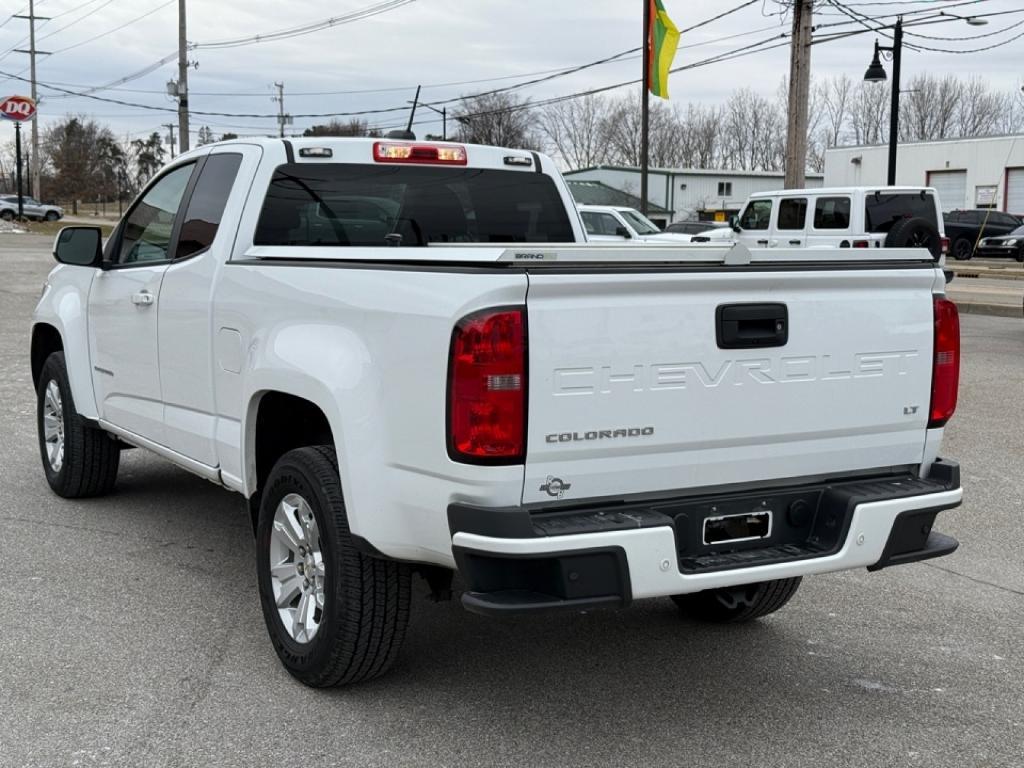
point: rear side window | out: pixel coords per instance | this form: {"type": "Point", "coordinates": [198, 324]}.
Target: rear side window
{"type": "Point", "coordinates": [757, 215]}
{"type": "Point", "coordinates": [206, 206]}
{"type": "Point", "coordinates": [335, 204]}
{"type": "Point", "coordinates": [832, 213]}
{"type": "Point", "coordinates": [883, 209]}
{"type": "Point", "coordinates": [792, 213]}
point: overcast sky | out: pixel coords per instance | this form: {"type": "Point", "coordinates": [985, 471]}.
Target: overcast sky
{"type": "Point", "coordinates": [436, 43]}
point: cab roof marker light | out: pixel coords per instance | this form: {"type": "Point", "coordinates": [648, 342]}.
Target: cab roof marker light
{"type": "Point", "coordinates": [316, 152]}
{"type": "Point", "coordinates": [419, 154]}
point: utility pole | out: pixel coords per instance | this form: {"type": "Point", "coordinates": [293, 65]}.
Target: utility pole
{"type": "Point", "coordinates": [282, 118]}
{"type": "Point", "coordinates": [799, 95]}
{"type": "Point", "coordinates": [170, 128]}
{"type": "Point", "coordinates": [894, 107]}
{"type": "Point", "coordinates": [280, 98]}
{"type": "Point", "coordinates": [32, 75]}
{"type": "Point", "coordinates": [182, 78]}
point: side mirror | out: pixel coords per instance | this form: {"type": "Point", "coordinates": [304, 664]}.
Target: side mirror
{"type": "Point", "coordinates": [734, 222]}
{"type": "Point", "coordinates": [79, 246]}
{"type": "Point", "coordinates": [623, 232]}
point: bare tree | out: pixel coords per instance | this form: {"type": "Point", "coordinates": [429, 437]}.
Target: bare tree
{"type": "Point", "coordinates": [575, 130]}
{"type": "Point", "coordinates": [498, 119]}
{"type": "Point", "coordinates": [869, 114]}
{"type": "Point", "coordinates": [335, 127]}
{"type": "Point", "coordinates": [622, 131]}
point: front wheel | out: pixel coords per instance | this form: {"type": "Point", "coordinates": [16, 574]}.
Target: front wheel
{"type": "Point", "coordinates": [52, 215]}
{"type": "Point", "coordinates": [335, 615]}
{"type": "Point", "coordinates": [79, 459]}
{"type": "Point", "coordinates": [732, 605]}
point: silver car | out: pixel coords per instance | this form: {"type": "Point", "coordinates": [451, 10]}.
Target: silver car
{"type": "Point", "coordinates": [31, 207]}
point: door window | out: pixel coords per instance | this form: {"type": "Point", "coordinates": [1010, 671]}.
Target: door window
{"type": "Point", "coordinates": [757, 215]}
{"type": "Point", "coordinates": [600, 223]}
{"type": "Point", "coordinates": [832, 213]}
{"type": "Point", "coordinates": [792, 213]}
{"type": "Point", "coordinates": [146, 233]}
{"type": "Point", "coordinates": [206, 204]}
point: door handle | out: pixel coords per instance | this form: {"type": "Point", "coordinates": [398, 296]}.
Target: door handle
{"type": "Point", "coordinates": [794, 242]}
{"type": "Point", "coordinates": [142, 298]}
{"type": "Point", "coordinates": [762, 242]}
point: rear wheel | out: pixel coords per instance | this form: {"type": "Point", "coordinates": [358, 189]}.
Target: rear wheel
{"type": "Point", "coordinates": [79, 459]}
{"type": "Point", "coordinates": [335, 616]}
{"type": "Point", "coordinates": [963, 249]}
{"type": "Point", "coordinates": [7, 215]}
{"type": "Point", "coordinates": [732, 605]}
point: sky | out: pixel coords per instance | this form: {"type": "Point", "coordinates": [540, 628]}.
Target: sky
{"type": "Point", "coordinates": [450, 47]}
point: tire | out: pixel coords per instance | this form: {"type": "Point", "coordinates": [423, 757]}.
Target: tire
{"type": "Point", "coordinates": [357, 607]}
{"type": "Point", "coordinates": [52, 216]}
{"type": "Point", "coordinates": [733, 605]}
{"type": "Point", "coordinates": [7, 215]}
{"type": "Point", "coordinates": [915, 233]}
{"type": "Point", "coordinates": [1020, 255]}
{"type": "Point", "coordinates": [963, 249]}
{"type": "Point", "coordinates": [79, 459]}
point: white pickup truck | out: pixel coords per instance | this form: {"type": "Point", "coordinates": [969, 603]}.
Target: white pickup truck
{"type": "Point", "coordinates": [408, 359]}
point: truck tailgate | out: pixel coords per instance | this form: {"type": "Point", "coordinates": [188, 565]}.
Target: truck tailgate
{"type": "Point", "coordinates": [632, 389]}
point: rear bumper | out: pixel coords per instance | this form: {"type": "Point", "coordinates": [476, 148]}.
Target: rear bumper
{"type": "Point", "coordinates": [518, 560]}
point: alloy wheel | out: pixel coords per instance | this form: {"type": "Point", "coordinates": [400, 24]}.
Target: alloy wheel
{"type": "Point", "coordinates": [297, 568]}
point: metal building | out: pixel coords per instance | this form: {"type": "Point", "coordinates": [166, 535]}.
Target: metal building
{"type": "Point", "coordinates": [689, 193]}
{"type": "Point", "coordinates": [967, 173]}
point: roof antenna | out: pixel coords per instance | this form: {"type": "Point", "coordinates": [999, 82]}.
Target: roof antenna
{"type": "Point", "coordinates": [407, 133]}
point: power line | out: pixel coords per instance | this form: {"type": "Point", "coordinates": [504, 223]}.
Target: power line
{"type": "Point", "coordinates": [306, 29]}
{"type": "Point", "coordinates": [150, 12]}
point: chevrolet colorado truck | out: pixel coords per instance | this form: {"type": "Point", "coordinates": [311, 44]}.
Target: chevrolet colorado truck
{"type": "Point", "coordinates": [407, 358]}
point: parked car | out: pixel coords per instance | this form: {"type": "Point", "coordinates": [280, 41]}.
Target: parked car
{"type": "Point", "coordinates": [965, 228]}
{"type": "Point", "coordinates": [695, 227]}
{"type": "Point", "coordinates": [455, 380]}
{"type": "Point", "coordinates": [839, 217]}
{"type": "Point", "coordinates": [613, 223]}
{"type": "Point", "coordinates": [31, 208]}
{"type": "Point", "coordinates": [1009, 246]}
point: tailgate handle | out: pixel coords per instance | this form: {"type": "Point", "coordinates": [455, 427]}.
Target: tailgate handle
{"type": "Point", "coordinates": [745, 326]}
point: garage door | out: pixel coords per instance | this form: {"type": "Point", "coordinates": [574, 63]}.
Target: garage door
{"type": "Point", "coordinates": [951, 186]}
{"type": "Point", "coordinates": [1015, 190]}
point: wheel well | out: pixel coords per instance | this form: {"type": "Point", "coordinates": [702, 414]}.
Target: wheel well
{"type": "Point", "coordinates": [284, 422]}
{"type": "Point", "coordinates": [45, 341]}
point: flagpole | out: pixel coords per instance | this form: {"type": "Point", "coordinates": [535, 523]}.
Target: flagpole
{"type": "Point", "coordinates": [644, 115]}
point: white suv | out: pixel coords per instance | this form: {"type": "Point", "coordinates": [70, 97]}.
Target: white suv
{"type": "Point", "coordinates": [839, 217]}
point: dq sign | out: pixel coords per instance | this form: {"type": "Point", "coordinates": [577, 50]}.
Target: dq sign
{"type": "Point", "coordinates": [20, 108]}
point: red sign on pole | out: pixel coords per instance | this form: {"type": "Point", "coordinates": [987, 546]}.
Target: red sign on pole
{"type": "Point", "coordinates": [19, 108]}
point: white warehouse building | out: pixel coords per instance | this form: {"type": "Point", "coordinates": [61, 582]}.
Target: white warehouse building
{"type": "Point", "coordinates": [967, 173]}
{"type": "Point", "coordinates": [689, 193]}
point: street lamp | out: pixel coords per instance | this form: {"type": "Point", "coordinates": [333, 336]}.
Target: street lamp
{"type": "Point", "coordinates": [876, 74]}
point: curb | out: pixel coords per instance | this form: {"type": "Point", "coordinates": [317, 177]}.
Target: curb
{"type": "Point", "coordinates": [968, 307]}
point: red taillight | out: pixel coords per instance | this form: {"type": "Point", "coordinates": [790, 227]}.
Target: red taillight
{"type": "Point", "coordinates": [487, 388]}
{"type": "Point", "coordinates": [946, 365]}
{"type": "Point", "coordinates": [945, 246]}
{"type": "Point", "coordinates": [430, 154]}
{"type": "Point", "coordinates": [861, 244]}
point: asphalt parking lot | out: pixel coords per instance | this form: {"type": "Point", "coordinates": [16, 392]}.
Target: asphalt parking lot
{"type": "Point", "coordinates": [131, 633]}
